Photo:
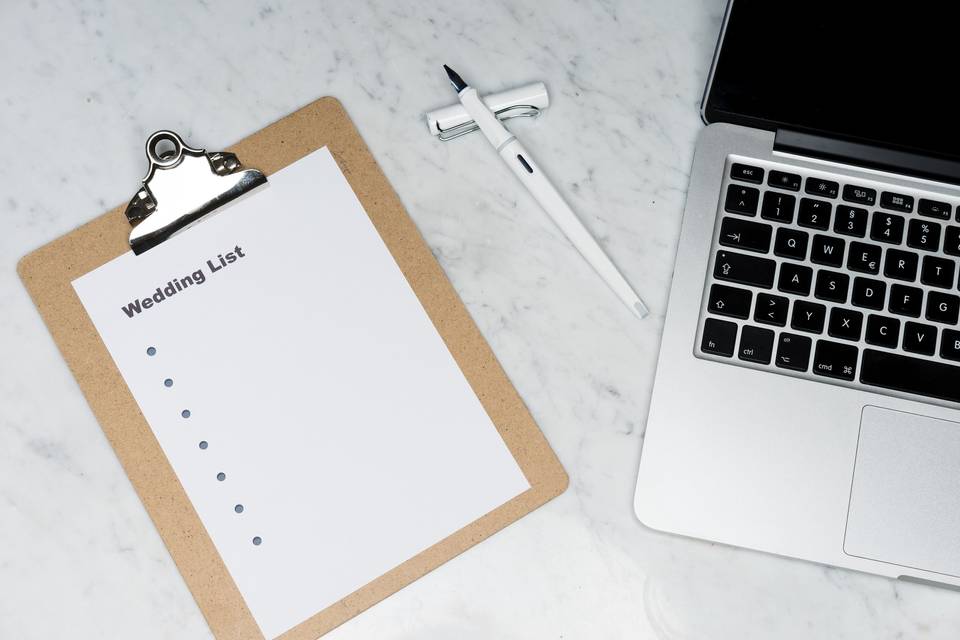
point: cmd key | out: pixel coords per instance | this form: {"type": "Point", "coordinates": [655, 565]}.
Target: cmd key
{"type": "Point", "coordinates": [743, 269]}
{"type": "Point", "coordinates": [835, 360]}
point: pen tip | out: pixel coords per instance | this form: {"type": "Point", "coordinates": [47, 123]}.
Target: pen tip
{"type": "Point", "coordinates": [455, 79]}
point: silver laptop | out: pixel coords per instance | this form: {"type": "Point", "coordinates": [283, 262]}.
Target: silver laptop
{"type": "Point", "coordinates": [807, 400]}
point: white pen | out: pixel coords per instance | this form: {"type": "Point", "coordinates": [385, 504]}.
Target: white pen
{"type": "Point", "coordinates": [527, 171]}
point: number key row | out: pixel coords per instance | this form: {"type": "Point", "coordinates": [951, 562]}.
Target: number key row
{"type": "Point", "coordinates": [850, 220]}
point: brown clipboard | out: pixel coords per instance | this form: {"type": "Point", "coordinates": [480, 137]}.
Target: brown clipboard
{"type": "Point", "coordinates": [48, 272]}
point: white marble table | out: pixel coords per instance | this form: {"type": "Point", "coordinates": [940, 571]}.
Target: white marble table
{"type": "Point", "coordinates": [82, 82]}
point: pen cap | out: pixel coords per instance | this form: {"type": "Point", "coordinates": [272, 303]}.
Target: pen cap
{"type": "Point", "coordinates": [531, 95]}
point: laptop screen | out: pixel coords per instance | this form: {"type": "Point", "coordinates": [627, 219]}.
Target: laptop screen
{"type": "Point", "coordinates": [874, 72]}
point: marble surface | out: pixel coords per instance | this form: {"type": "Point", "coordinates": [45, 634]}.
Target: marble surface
{"type": "Point", "coordinates": [82, 82]}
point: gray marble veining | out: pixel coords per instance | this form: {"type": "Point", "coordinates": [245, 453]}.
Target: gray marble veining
{"type": "Point", "coordinates": [83, 82]}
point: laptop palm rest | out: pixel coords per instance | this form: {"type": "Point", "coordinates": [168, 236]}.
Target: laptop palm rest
{"type": "Point", "coordinates": [905, 499]}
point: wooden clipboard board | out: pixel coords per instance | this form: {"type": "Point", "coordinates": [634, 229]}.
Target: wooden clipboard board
{"type": "Point", "coordinates": [48, 272]}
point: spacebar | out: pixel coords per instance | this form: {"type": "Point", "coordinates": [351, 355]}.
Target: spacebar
{"type": "Point", "coordinates": [902, 373]}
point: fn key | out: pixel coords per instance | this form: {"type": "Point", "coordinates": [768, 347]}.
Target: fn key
{"type": "Point", "coordinates": [719, 337]}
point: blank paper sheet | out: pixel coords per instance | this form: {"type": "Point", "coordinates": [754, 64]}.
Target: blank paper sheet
{"type": "Point", "coordinates": [312, 413]}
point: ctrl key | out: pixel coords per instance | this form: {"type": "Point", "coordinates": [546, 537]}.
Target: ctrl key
{"type": "Point", "coordinates": [756, 345]}
{"type": "Point", "coordinates": [719, 337]}
{"type": "Point", "coordinates": [793, 352]}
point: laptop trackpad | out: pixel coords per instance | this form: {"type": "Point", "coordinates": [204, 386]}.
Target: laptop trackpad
{"type": "Point", "coordinates": [905, 500]}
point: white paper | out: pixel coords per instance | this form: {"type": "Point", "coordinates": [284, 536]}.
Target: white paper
{"type": "Point", "coordinates": [343, 425]}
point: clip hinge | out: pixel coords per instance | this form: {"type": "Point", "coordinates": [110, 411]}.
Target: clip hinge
{"type": "Point", "coordinates": [182, 186]}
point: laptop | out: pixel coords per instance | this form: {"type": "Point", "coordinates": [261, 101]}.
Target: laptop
{"type": "Point", "coordinates": [807, 397]}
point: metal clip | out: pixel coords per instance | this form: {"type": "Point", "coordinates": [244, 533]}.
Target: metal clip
{"type": "Point", "coordinates": [182, 186]}
{"type": "Point", "coordinates": [515, 111]}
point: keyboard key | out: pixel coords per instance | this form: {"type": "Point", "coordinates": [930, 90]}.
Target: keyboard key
{"type": "Point", "coordinates": [778, 206]}
{"type": "Point", "coordinates": [934, 209]}
{"type": "Point", "coordinates": [851, 221]}
{"type": "Point", "coordinates": [864, 257]}
{"type": "Point", "coordinates": [793, 352]}
{"type": "Point", "coordinates": [860, 195]}
{"type": "Point", "coordinates": [795, 278]}
{"type": "Point", "coordinates": [845, 323]}
{"type": "Point", "coordinates": [756, 345]}
{"type": "Point", "coordinates": [913, 375]}
{"type": "Point", "coordinates": [950, 345]}
{"type": "Point", "coordinates": [832, 286]}
{"type": "Point", "coordinates": [901, 265]}
{"type": "Point", "coordinates": [743, 269]}
{"type": "Point", "coordinates": [771, 309]}
{"type": "Point", "coordinates": [743, 234]}
{"type": "Point", "coordinates": [746, 173]}
{"type": "Point", "coordinates": [906, 301]}
{"type": "Point", "coordinates": [719, 337]}
{"type": "Point", "coordinates": [937, 272]}
{"type": "Point", "coordinates": [822, 188]}
{"type": "Point", "coordinates": [943, 307]}
{"type": "Point", "coordinates": [827, 250]}
{"type": "Point", "coordinates": [924, 235]}
{"type": "Point", "coordinates": [919, 338]}
{"type": "Point", "coordinates": [868, 293]}
{"type": "Point", "coordinates": [742, 200]}
{"type": "Point", "coordinates": [951, 240]}
{"type": "Point", "coordinates": [808, 316]}
{"type": "Point", "coordinates": [791, 243]}
{"type": "Point", "coordinates": [835, 360]}
{"type": "Point", "coordinates": [730, 301]}
{"type": "Point", "coordinates": [896, 201]}
{"type": "Point", "coordinates": [814, 214]}
{"type": "Point", "coordinates": [783, 180]}
{"type": "Point", "coordinates": [883, 331]}
{"type": "Point", "coordinates": [887, 227]}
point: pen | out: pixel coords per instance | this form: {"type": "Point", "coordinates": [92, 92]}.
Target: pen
{"type": "Point", "coordinates": [527, 171]}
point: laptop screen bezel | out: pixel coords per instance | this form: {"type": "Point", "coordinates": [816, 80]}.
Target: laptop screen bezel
{"type": "Point", "coordinates": [710, 114]}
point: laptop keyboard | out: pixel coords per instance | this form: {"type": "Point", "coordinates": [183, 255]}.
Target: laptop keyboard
{"type": "Point", "coordinates": [845, 283]}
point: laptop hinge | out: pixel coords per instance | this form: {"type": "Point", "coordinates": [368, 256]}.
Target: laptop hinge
{"type": "Point", "coordinates": [866, 155]}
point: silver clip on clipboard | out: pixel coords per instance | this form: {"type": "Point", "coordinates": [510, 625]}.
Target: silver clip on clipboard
{"type": "Point", "coordinates": [182, 186]}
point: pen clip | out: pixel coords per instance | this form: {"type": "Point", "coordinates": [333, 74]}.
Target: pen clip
{"type": "Point", "coordinates": [515, 111]}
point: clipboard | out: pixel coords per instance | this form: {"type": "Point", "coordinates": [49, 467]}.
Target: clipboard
{"type": "Point", "coordinates": [48, 272]}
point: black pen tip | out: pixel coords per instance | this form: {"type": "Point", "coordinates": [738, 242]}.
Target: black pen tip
{"type": "Point", "coordinates": [455, 79]}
